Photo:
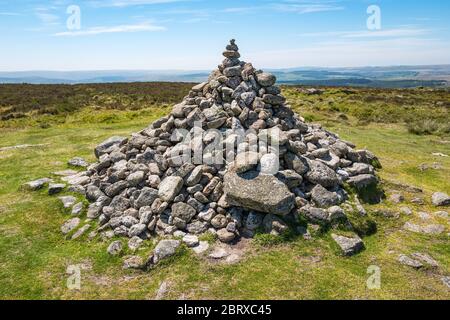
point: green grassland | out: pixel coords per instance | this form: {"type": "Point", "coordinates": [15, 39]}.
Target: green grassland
{"type": "Point", "coordinates": [34, 255]}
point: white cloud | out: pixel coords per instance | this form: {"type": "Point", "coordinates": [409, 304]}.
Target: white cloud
{"type": "Point", "coordinates": [128, 3]}
{"type": "Point", "coordinates": [303, 7]}
{"type": "Point", "coordinates": [384, 33]}
{"type": "Point", "coordinates": [114, 29]}
{"type": "Point", "coordinates": [10, 14]}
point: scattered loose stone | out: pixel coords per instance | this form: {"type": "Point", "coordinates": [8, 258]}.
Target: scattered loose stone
{"type": "Point", "coordinates": [190, 240]}
{"type": "Point", "coordinates": [162, 290]}
{"type": "Point", "coordinates": [440, 199]}
{"type": "Point", "coordinates": [135, 243]}
{"type": "Point", "coordinates": [425, 258]}
{"type": "Point", "coordinates": [446, 281]}
{"type": "Point", "coordinates": [36, 184]}
{"type": "Point", "coordinates": [68, 201]}
{"type": "Point", "coordinates": [165, 249]}
{"type": "Point", "coordinates": [431, 229]}
{"type": "Point", "coordinates": [78, 162]}
{"type": "Point", "coordinates": [80, 232]}
{"type": "Point", "coordinates": [77, 209]}
{"type": "Point", "coordinates": [115, 248]}
{"type": "Point", "coordinates": [396, 198]}
{"type": "Point", "coordinates": [202, 247]}
{"type": "Point", "coordinates": [407, 261]}
{"type": "Point", "coordinates": [55, 188]}
{"type": "Point", "coordinates": [133, 262]}
{"type": "Point", "coordinates": [405, 210]}
{"type": "Point", "coordinates": [70, 225]}
{"type": "Point", "coordinates": [350, 246]}
{"type": "Point", "coordinates": [219, 253]}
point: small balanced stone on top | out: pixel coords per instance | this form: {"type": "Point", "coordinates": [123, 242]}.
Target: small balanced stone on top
{"type": "Point", "coordinates": [232, 51]}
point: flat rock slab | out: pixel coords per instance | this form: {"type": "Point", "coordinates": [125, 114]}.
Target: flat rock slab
{"type": "Point", "coordinates": [430, 229]}
{"type": "Point", "coordinates": [202, 247]}
{"type": "Point", "coordinates": [68, 201]}
{"type": "Point", "coordinates": [350, 246]}
{"type": "Point", "coordinates": [407, 261]}
{"type": "Point", "coordinates": [108, 145]}
{"type": "Point", "coordinates": [263, 193]}
{"type": "Point", "coordinates": [70, 225]}
{"type": "Point", "coordinates": [36, 184]}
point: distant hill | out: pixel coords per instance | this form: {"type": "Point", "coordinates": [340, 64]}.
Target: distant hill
{"type": "Point", "coordinates": [379, 77]}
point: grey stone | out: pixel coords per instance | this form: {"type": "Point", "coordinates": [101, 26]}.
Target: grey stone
{"type": "Point", "coordinates": [266, 79]}
{"type": "Point", "coordinates": [262, 193]}
{"type": "Point", "coordinates": [146, 197]}
{"type": "Point", "coordinates": [165, 249]}
{"type": "Point", "coordinates": [197, 227]}
{"type": "Point", "coordinates": [70, 225]}
{"type": "Point", "coordinates": [425, 258]}
{"type": "Point", "coordinates": [78, 162]}
{"type": "Point", "coordinates": [137, 230]}
{"type": "Point", "coordinates": [170, 187]}
{"type": "Point", "coordinates": [245, 161]}
{"type": "Point", "coordinates": [116, 188]}
{"type": "Point", "coordinates": [136, 178]}
{"type": "Point", "coordinates": [407, 261]}
{"type": "Point", "coordinates": [55, 188]}
{"type": "Point", "coordinates": [115, 248]}
{"type": "Point", "coordinates": [68, 201]}
{"type": "Point", "coordinates": [36, 184]}
{"type": "Point", "coordinates": [190, 240]}
{"type": "Point", "coordinates": [320, 173]}
{"type": "Point", "coordinates": [225, 236]}
{"type": "Point", "coordinates": [80, 232]}
{"type": "Point", "coordinates": [350, 246]}
{"type": "Point", "coordinates": [135, 243]}
{"type": "Point", "coordinates": [440, 199]}
{"type": "Point", "coordinates": [77, 209]}
{"type": "Point", "coordinates": [362, 181]}
{"type": "Point", "coordinates": [202, 247]}
{"type": "Point", "coordinates": [254, 221]}
{"type": "Point", "coordinates": [108, 145]}
{"type": "Point", "coordinates": [324, 198]}
{"type": "Point", "coordinates": [219, 253]}
{"type": "Point", "coordinates": [133, 262]}
{"type": "Point", "coordinates": [183, 211]}
{"type": "Point", "coordinates": [274, 225]}
{"type": "Point", "coordinates": [315, 215]}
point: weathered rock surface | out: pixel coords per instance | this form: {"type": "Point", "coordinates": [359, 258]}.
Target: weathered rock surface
{"type": "Point", "coordinates": [262, 193]}
{"type": "Point", "coordinates": [440, 199]}
{"type": "Point", "coordinates": [350, 246]}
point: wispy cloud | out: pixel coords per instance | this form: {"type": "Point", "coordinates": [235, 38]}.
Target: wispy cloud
{"type": "Point", "coordinates": [303, 7]}
{"type": "Point", "coordinates": [46, 16]}
{"type": "Point", "coordinates": [10, 14]}
{"type": "Point", "coordinates": [128, 3]}
{"type": "Point", "coordinates": [143, 27]}
{"type": "Point", "coordinates": [384, 33]}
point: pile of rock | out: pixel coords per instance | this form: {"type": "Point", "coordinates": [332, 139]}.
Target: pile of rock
{"type": "Point", "coordinates": [195, 171]}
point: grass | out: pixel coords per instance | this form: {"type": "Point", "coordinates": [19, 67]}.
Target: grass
{"type": "Point", "coordinates": [34, 256]}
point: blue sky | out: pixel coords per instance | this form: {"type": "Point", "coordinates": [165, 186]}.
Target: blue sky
{"type": "Point", "coordinates": [190, 34]}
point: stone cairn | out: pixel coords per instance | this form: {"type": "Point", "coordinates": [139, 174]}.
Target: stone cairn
{"type": "Point", "coordinates": [152, 184]}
